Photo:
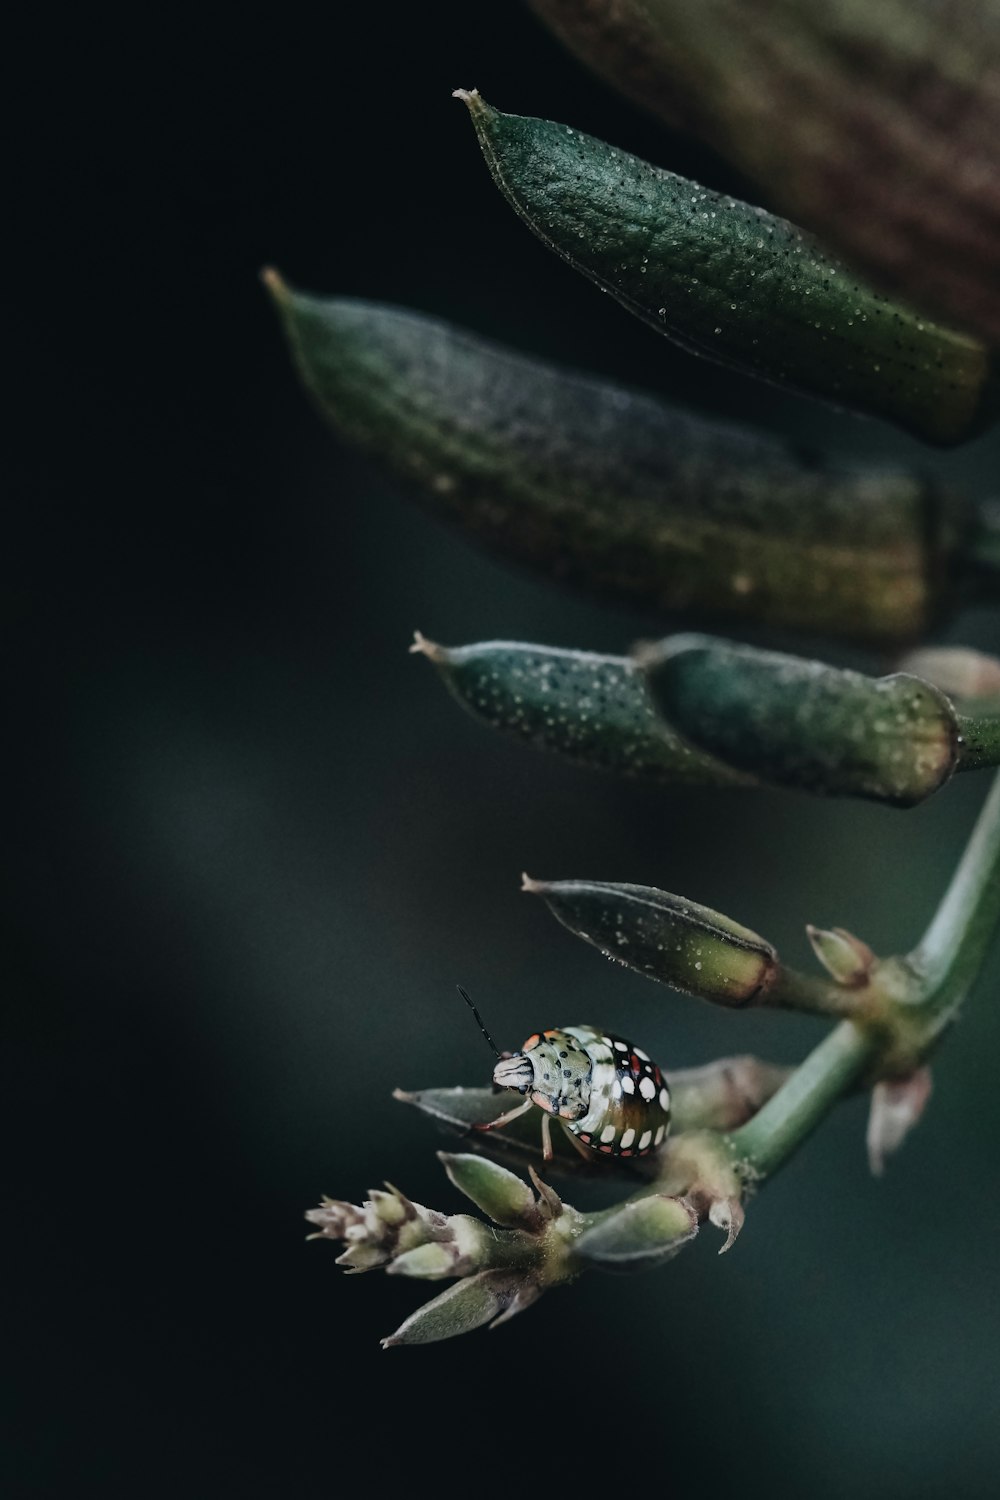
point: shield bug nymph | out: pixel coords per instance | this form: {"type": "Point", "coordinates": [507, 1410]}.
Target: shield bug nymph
{"type": "Point", "coordinates": [607, 1094]}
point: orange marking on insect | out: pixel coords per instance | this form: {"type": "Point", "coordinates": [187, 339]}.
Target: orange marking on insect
{"type": "Point", "coordinates": [531, 1043]}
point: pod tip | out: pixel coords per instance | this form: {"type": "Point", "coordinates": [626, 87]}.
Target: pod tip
{"type": "Point", "coordinates": [532, 886]}
{"type": "Point", "coordinates": [276, 284]}
{"type": "Point", "coordinates": [423, 647]}
{"type": "Point", "coordinates": [471, 97]}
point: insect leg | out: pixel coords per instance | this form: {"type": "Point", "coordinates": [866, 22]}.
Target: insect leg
{"type": "Point", "coordinates": [511, 1114]}
{"type": "Point", "coordinates": [546, 1139]}
{"type": "Point", "coordinates": [578, 1145]}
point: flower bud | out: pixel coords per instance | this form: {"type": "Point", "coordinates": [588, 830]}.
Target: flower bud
{"type": "Point", "coordinates": [492, 1188]}
{"type": "Point", "coordinates": [386, 1226]}
{"type": "Point", "coordinates": [638, 1236]}
{"type": "Point", "coordinates": [798, 723]}
{"type": "Point", "coordinates": [846, 958]}
{"type": "Point", "coordinates": [665, 937]}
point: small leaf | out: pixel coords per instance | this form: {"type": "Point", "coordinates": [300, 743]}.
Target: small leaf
{"type": "Point", "coordinates": [897, 1105]}
{"type": "Point", "coordinates": [732, 282]}
{"type": "Point", "coordinates": [499, 1193]}
{"type": "Point", "coordinates": [665, 937]}
{"type": "Point", "coordinates": [592, 709]}
{"type": "Point", "coordinates": [469, 1304]}
{"type": "Point", "coordinates": [638, 1236]}
{"type": "Point", "coordinates": [799, 723]}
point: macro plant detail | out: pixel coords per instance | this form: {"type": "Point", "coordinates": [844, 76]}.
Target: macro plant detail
{"type": "Point", "coordinates": [624, 496]}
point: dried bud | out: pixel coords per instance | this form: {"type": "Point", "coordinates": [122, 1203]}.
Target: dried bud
{"type": "Point", "coordinates": [665, 937]}
{"type": "Point", "coordinates": [956, 670]}
{"type": "Point", "coordinates": [638, 1236]}
{"type": "Point", "coordinates": [385, 1226]}
{"type": "Point", "coordinates": [727, 1214]}
{"type": "Point", "coordinates": [897, 1105]}
{"type": "Point", "coordinates": [798, 723]}
{"type": "Point", "coordinates": [505, 1197]}
{"type": "Point", "coordinates": [846, 958]}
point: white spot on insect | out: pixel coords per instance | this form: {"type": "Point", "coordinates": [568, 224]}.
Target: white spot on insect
{"type": "Point", "coordinates": [616, 1089]}
{"type": "Point", "coordinates": [606, 1040]}
{"type": "Point", "coordinates": [628, 1084]}
{"type": "Point", "coordinates": [639, 1053]}
{"type": "Point", "coordinates": [659, 1135]}
{"type": "Point", "coordinates": [620, 1047]}
{"type": "Point", "coordinates": [647, 1088]}
{"type": "Point", "coordinates": [607, 1134]}
{"type": "Point", "coordinates": [644, 1139]}
{"type": "Point", "coordinates": [628, 1138]}
{"type": "Point", "coordinates": [664, 1099]}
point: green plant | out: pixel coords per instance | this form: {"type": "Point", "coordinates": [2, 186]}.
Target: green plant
{"type": "Point", "coordinates": [627, 497]}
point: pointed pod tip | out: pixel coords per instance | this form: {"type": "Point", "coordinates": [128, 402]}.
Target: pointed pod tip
{"type": "Point", "coordinates": [533, 887]}
{"type": "Point", "coordinates": [423, 647]}
{"type": "Point", "coordinates": [391, 1342]}
{"type": "Point", "coordinates": [470, 97]}
{"type": "Point", "coordinates": [276, 284]}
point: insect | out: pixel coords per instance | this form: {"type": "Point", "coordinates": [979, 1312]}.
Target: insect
{"type": "Point", "coordinates": [607, 1094]}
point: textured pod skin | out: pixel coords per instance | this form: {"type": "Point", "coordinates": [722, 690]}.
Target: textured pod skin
{"type": "Point", "coordinates": [592, 709]}
{"type": "Point", "coordinates": [665, 937]}
{"type": "Point", "coordinates": [624, 495]}
{"type": "Point", "coordinates": [734, 283]}
{"type": "Point", "coordinates": [799, 723]}
{"type": "Point", "coordinates": [877, 125]}
{"type": "Point", "coordinates": [605, 1091]}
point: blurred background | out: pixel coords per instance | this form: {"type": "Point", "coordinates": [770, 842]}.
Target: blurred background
{"type": "Point", "coordinates": [253, 845]}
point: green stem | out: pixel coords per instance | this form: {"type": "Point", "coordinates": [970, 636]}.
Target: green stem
{"type": "Point", "coordinates": [762, 1145]}
{"type": "Point", "coordinates": [979, 745]}
{"type": "Point", "coordinates": [946, 963]}
{"type": "Point", "coordinates": [811, 994]}
{"type": "Point", "coordinates": [951, 952]}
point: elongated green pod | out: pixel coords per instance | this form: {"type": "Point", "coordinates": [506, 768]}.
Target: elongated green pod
{"type": "Point", "coordinates": [733, 282]}
{"type": "Point", "coordinates": [624, 495]}
{"type": "Point", "coordinates": [591, 709]}
{"type": "Point", "coordinates": [665, 937]}
{"type": "Point", "coordinates": [878, 125]}
{"type": "Point", "coordinates": [803, 724]}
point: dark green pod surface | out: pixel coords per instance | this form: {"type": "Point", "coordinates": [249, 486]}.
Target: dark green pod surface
{"type": "Point", "coordinates": [592, 709]}
{"type": "Point", "coordinates": [665, 937]}
{"type": "Point", "coordinates": [621, 494]}
{"type": "Point", "coordinates": [802, 724]}
{"type": "Point", "coordinates": [733, 282]}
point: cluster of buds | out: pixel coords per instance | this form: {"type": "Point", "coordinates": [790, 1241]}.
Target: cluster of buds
{"type": "Point", "coordinates": [535, 1241]}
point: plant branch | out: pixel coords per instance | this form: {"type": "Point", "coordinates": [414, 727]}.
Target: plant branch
{"type": "Point", "coordinates": [952, 950]}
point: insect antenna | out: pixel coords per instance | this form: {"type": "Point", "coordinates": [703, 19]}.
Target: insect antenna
{"type": "Point", "coordinates": [466, 997]}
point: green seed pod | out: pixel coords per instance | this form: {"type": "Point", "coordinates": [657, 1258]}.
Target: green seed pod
{"type": "Point", "coordinates": [802, 724]}
{"type": "Point", "coordinates": [621, 494]}
{"type": "Point", "coordinates": [666, 938]}
{"type": "Point", "coordinates": [878, 125]}
{"type": "Point", "coordinates": [638, 1236]}
{"type": "Point", "coordinates": [734, 283]}
{"type": "Point", "coordinates": [592, 709]}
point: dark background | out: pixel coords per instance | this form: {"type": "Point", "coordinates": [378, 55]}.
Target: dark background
{"type": "Point", "coordinates": [253, 845]}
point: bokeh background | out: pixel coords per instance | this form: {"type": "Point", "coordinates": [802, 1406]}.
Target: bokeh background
{"type": "Point", "coordinates": [253, 845]}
